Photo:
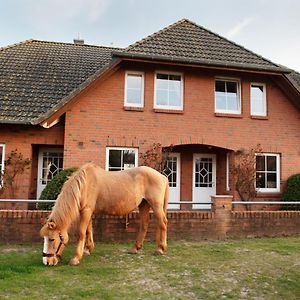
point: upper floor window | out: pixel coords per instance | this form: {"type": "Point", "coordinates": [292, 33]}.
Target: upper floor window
{"type": "Point", "coordinates": [258, 99]}
{"type": "Point", "coordinates": [267, 172]}
{"type": "Point", "coordinates": [118, 159]}
{"type": "Point", "coordinates": [134, 89]}
{"type": "Point", "coordinates": [227, 96]}
{"type": "Point", "coordinates": [168, 91]}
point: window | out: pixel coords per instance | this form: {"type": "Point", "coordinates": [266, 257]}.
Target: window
{"type": "Point", "coordinates": [227, 96]}
{"type": "Point", "coordinates": [267, 173]}
{"type": "Point", "coordinates": [258, 99]}
{"type": "Point", "coordinates": [168, 91]}
{"type": "Point", "coordinates": [134, 89]}
{"type": "Point", "coordinates": [118, 159]}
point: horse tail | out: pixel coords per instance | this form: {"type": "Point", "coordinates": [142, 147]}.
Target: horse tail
{"type": "Point", "coordinates": [166, 197]}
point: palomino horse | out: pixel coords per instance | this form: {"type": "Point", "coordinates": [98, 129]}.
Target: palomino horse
{"type": "Point", "coordinates": [92, 190]}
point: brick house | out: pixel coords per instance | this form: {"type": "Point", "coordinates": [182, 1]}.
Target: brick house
{"type": "Point", "coordinates": [65, 104]}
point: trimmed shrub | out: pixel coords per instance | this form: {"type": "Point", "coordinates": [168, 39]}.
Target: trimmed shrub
{"type": "Point", "coordinates": [53, 188]}
{"type": "Point", "coordinates": [292, 192]}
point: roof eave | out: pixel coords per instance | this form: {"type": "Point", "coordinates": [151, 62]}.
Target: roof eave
{"type": "Point", "coordinates": [15, 122]}
{"type": "Point", "coordinates": [293, 82]}
{"type": "Point", "coordinates": [199, 62]}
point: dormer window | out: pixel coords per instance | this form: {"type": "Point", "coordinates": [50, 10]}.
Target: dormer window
{"type": "Point", "coordinates": [134, 89]}
{"type": "Point", "coordinates": [168, 91]}
{"type": "Point", "coordinates": [227, 96]}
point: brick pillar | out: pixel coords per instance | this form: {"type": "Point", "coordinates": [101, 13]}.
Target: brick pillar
{"type": "Point", "coordinates": [222, 208]}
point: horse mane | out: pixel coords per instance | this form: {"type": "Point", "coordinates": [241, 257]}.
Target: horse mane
{"type": "Point", "coordinates": [67, 205]}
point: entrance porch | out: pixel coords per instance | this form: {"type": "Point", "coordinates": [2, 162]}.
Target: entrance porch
{"type": "Point", "coordinates": [195, 173]}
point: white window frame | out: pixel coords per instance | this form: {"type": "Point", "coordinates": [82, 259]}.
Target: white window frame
{"type": "Point", "coordinates": [120, 148]}
{"type": "Point", "coordinates": [271, 190]}
{"type": "Point", "coordinates": [128, 73]}
{"type": "Point", "coordinates": [264, 113]}
{"type": "Point", "coordinates": [170, 107]}
{"type": "Point", "coordinates": [227, 172]}
{"type": "Point", "coordinates": [2, 163]}
{"type": "Point", "coordinates": [239, 93]}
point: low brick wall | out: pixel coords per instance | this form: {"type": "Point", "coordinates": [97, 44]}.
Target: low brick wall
{"type": "Point", "coordinates": [22, 226]}
{"type": "Point", "coordinates": [264, 223]}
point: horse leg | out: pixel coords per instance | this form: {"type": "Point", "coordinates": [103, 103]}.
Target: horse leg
{"type": "Point", "coordinates": [85, 217]}
{"type": "Point", "coordinates": [89, 241]}
{"type": "Point", "coordinates": [161, 230]}
{"type": "Point", "coordinates": [144, 209]}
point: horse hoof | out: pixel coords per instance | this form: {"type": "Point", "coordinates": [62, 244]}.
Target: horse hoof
{"type": "Point", "coordinates": [159, 252]}
{"type": "Point", "coordinates": [74, 262]}
{"type": "Point", "coordinates": [86, 252]}
{"type": "Point", "coordinates": [133, 251]}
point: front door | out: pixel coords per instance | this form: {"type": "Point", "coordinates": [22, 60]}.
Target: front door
{"type": "Point", "coordinates": [50, 163]}
{"type": "Point", "coordinates": [172, 171]}
{"type": "Point", "coordinates": [204, 180]}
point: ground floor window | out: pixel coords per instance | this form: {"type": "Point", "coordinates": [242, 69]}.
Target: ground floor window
{"type": "Point", "coordinates": [268, 172]}
{"type": "Point", "coordinates": [118, 159]}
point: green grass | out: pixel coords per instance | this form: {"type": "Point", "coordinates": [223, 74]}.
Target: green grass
{"type": "Point", "coordinates": [246, 269]}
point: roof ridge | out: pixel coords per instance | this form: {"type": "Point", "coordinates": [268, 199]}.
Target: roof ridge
{"type": "Point", "coordinates": [79, 45]}
{"type": "Point", "coordinates": [156, 33]}
{"type": "Point", "coordinates": [16, 44]}
{"type": "Point", "coordinates": [55, 42]}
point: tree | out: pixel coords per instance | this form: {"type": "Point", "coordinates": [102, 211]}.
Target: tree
{"type": "Point", "coordinates": [244, 170]}
{"type": "Point", "coordinates": [14, 165]}
{"type": "Point", "coordinates": [53, 188]}
{"type": "Point", "coordinates": [291, 192]}
{"type": "Point", "coordinates": [156, 156]}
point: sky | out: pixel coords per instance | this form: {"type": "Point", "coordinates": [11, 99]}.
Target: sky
{"type": "Point", "coordinates": [270, 28]}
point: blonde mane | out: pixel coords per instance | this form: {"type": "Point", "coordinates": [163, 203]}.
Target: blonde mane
{"type": "Point", "coordinates": [67, 205]}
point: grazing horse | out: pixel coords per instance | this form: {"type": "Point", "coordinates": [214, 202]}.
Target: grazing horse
{"type": "Point", "coordinates": [92, 190]}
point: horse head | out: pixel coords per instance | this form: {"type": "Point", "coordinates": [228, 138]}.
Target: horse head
{"type": "Point", "coordinates": [54, 243]}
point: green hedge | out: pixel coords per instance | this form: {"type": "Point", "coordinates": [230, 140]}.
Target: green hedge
{"type": "Point", "coordinates": [53, 188]}
{"type": "Point", "coordinates": [291, 192]}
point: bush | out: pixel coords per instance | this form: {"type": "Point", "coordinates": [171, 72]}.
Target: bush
{"type": "Point", "coordinates": [53, 188]}
{"type": "Point", "coordinates": [292, 192]}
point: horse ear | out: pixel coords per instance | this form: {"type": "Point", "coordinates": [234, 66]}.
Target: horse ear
{"type": "Point", "coordinates": [51, 225]}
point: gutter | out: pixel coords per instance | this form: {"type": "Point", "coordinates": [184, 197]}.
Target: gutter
{"type": "Point", "coordinates": [200, 62]}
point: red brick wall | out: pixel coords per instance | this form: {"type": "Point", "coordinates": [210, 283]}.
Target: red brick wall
{"type": "Point", "coordinates": [98, 120]}
{"type": "Point", "coordinates": [24, 226]}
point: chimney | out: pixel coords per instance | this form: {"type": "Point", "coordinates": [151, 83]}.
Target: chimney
{"type": "Point", "coordinates": [78, 41]}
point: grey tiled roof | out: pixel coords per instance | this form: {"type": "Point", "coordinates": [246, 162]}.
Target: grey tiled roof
{"type": "Point", "coordinates": [36, 75]}
{"type": "Point", "coordinates": [189, 42]}
{"type": "Point", "coordinates": [295, 77]}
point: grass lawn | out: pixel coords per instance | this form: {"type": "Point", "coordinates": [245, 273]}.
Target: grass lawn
{"type": "Point", "coordinates": [246, 269]}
